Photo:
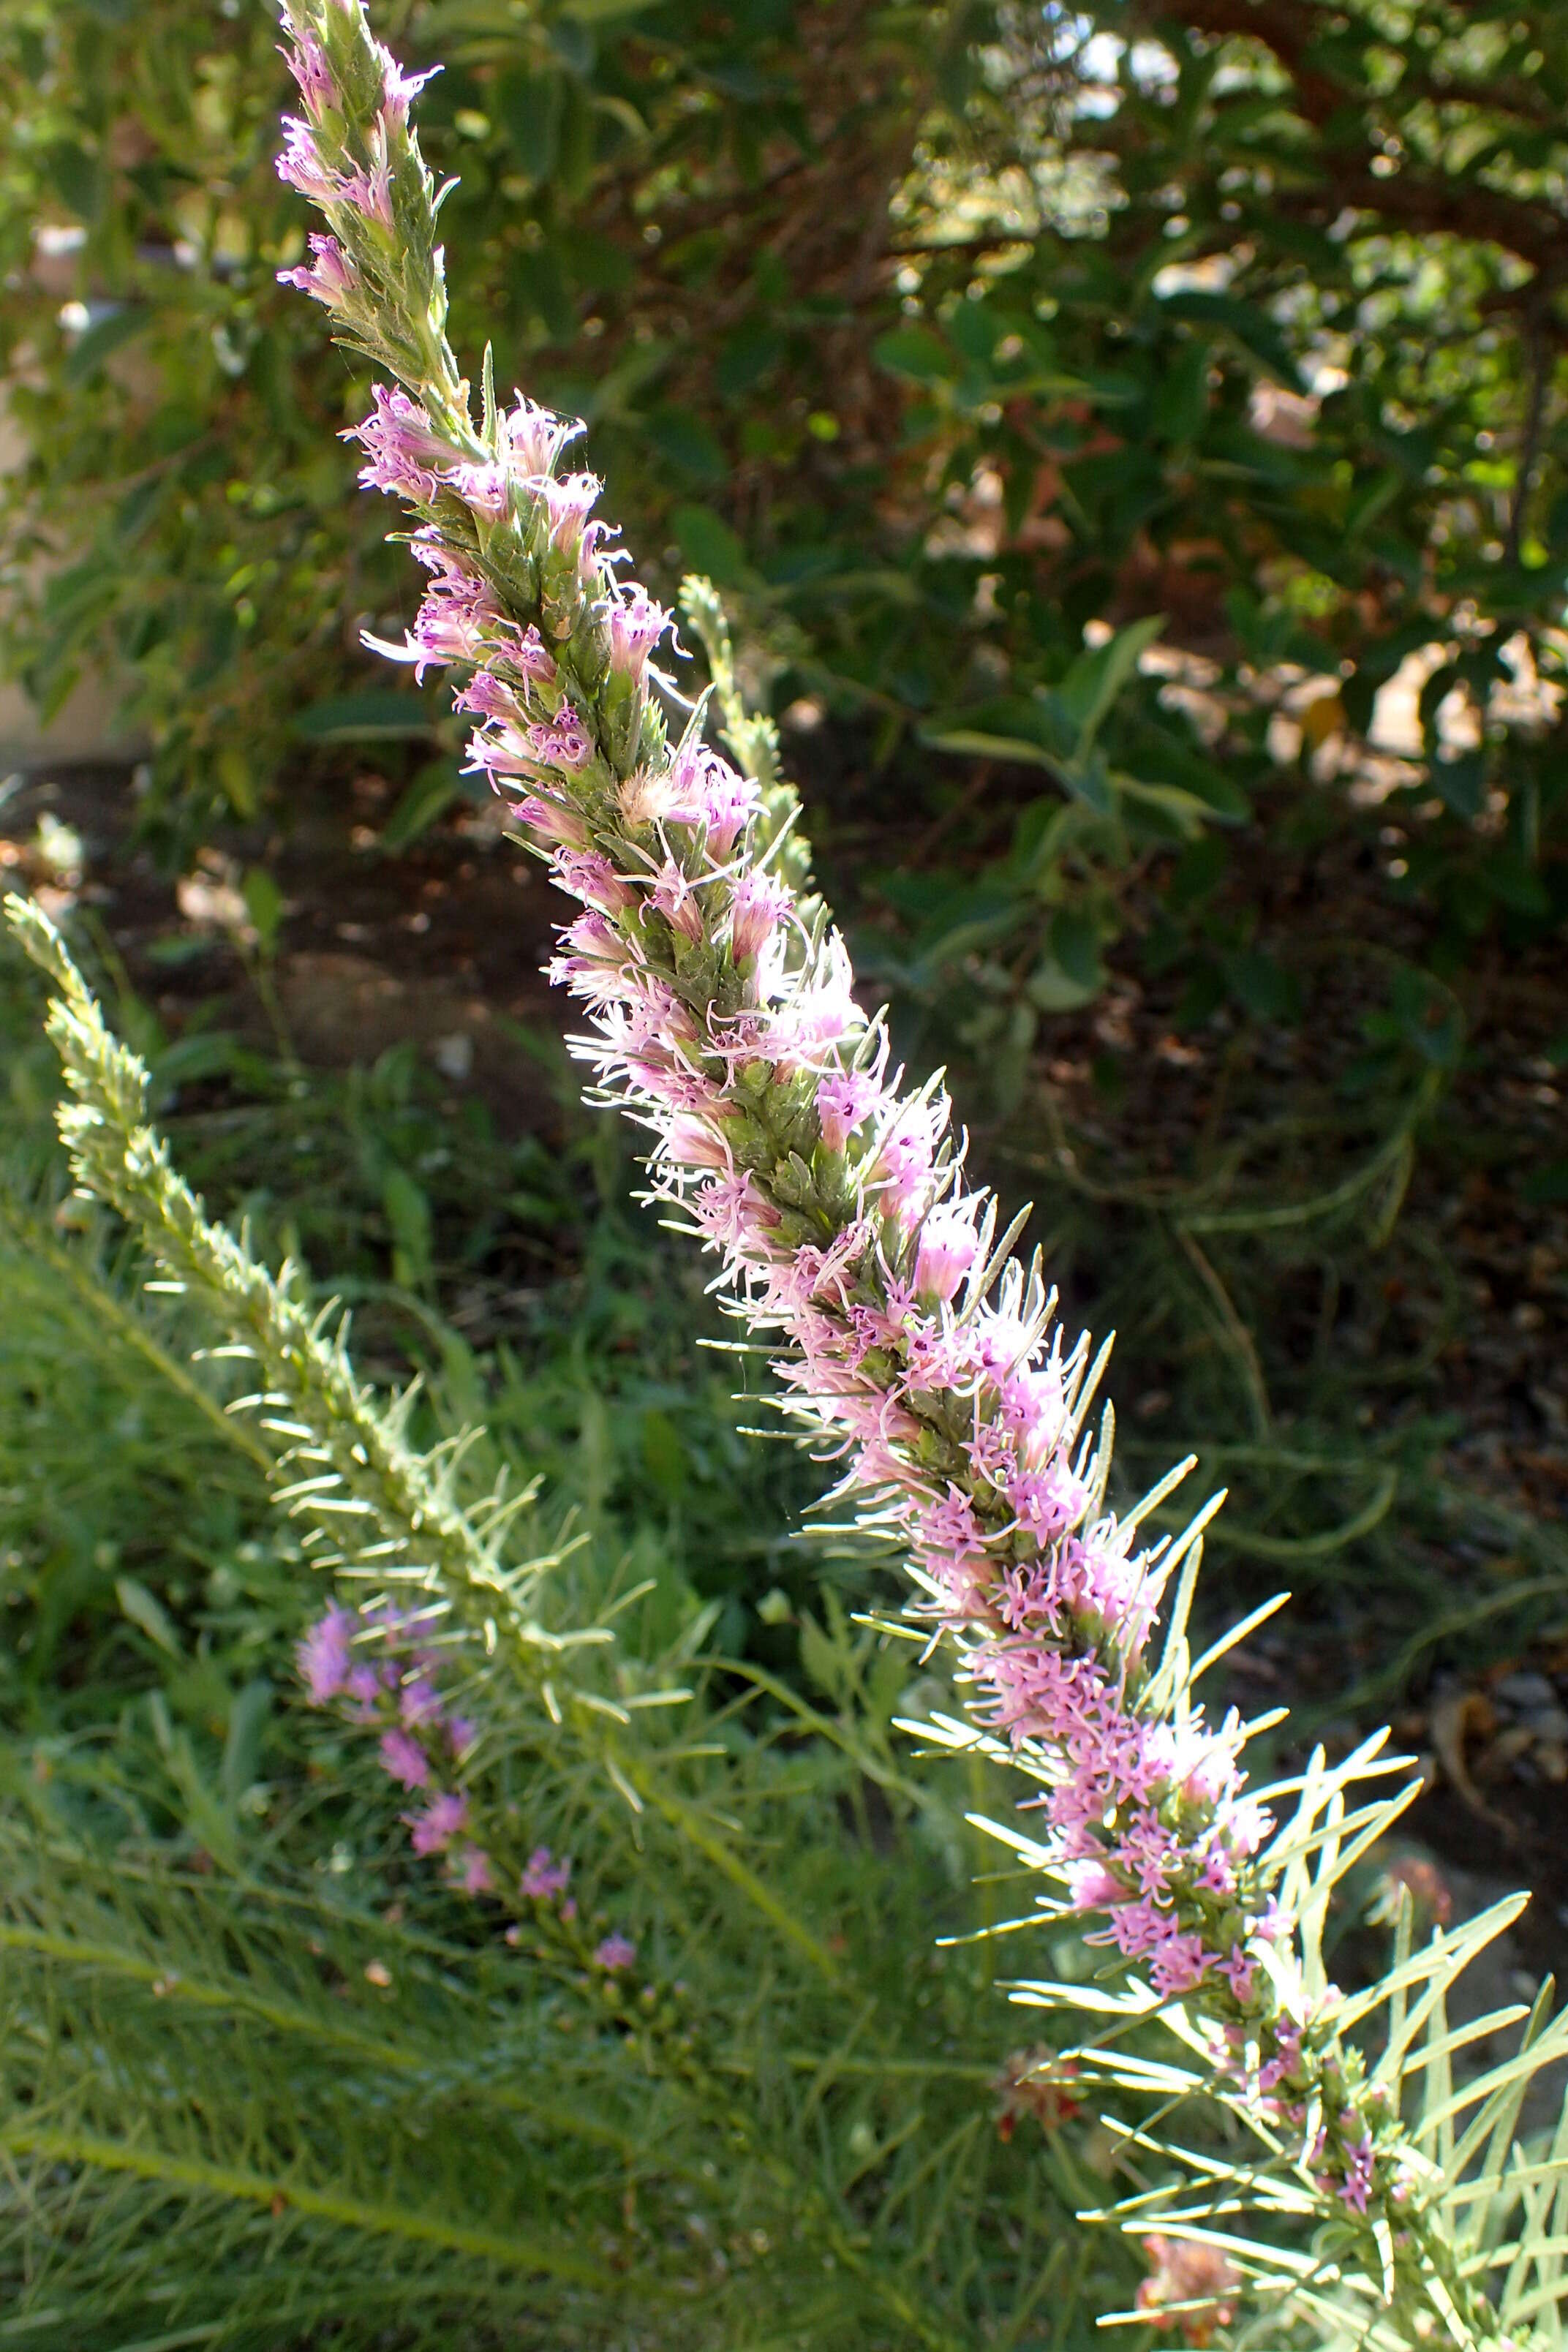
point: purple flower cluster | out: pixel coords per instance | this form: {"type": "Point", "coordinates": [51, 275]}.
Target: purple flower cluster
{"type": "Point", "coordinates": [376, 1667]}
{"type": "Point", "coordinates": [372, 1667]}
{"type": "Point", "coordinates": [545, 1880]}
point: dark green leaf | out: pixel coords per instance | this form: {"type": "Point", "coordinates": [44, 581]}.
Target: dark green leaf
{"type": "Point", "coordinates": [603, 12]}
{"type": "Point", "coordinates": [1546, 1186]}
{"type": "Point", "coordinates": [1251, 325]}
{"type": "Point", "coordinates": [688, 443]}
{"type": "Point", "coordinates": [708, 544]}
{"type": "Point", "coordinates": [105, 336]}
{"type": "Point", "coordinates": [528, 106]}
{"type": "Point", "coordinates": [664, 1455]}
{"type": "Point", "coordinates": [375, 714]}
{"type": "Point", "coordinates": [264, 904]}
{"type": "Point", "coordinates": [73, 173]}
{"type": "Point", "coordinates": [1461, 783]}
{"type": "Point", "coordinates": [539, 284]}
{"type": "Point", "coordinates": [1262, 987]}
{"type": "Point", "coordinates": [1075, 944]}
{"type": "Point", "coordinates": [429, 794]}
{"type": "Point", "coordinates": [916, 352]}
{"type": "Point", "coordinates": [968, 743]}
{"type": "Point", "coordinates": [1093, 683]}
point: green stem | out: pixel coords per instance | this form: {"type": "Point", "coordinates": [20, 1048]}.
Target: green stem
{"type": "Point", "coordinates": [282, 2193]}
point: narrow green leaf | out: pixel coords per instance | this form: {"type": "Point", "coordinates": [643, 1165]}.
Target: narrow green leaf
{"type": "Point", "coordinates": [374, 715]}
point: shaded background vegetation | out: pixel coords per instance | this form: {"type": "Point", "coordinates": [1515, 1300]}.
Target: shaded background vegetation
{"type": "Point", "coordinates": [1133, 446]}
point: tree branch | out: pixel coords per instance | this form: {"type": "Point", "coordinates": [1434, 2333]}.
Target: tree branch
{"type": "Point", "coordinates": [1412, 199]}
{"type": "Point", "coordinates": [1541, 359]}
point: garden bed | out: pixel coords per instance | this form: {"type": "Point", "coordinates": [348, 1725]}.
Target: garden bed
{"type": "Point", "coordinates": [1436, 1355]}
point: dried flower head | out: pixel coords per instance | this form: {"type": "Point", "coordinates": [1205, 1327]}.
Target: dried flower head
{"type": "Point", "coordinates": [1431, 1896]}
{"type": "Point", "coordinates": [1190, 2286]}
{"type": "Point", "coordinates": [1036, 2082]}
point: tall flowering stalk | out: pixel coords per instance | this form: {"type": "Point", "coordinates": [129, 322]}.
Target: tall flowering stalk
{"type": "Point", "coordinates": [724, 1019]}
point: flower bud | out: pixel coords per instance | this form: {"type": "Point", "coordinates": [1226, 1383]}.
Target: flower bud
{"type": "Point", "coordinates": [844, 1101]}
{"type": "Point", "coordinates": [755, 912]}
{"type": "Point", "coordinates": [328, 278]}
{"type": "Point", "coordinates": [945, 1254]}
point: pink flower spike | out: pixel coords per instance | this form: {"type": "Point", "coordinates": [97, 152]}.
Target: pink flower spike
{"type": "Point", "coordinates": [1239, 1972]}
{"type": "Point", "coordinates": [561, 743]}
{"type": "Point", "coordinates": [729, 801]}
{"type": "Point", "coordinates": [589, 560]}
{"type": "Point", "coordinates": [675, 896]}
{"type": "Point", "coordinates": [404, 1759]}
{"type": "Point", "coordinates": [400, 88]}
{"type": "Point", "coordinates": [692, 1144]}
{"type": "Point", "coordinates": [1179, 1963]}
{"type": "Point", "coordinates": [419, 1701]}
{"type": "Point", "coordinates": [552, 821]}
{"type": "Point", "coordinates": [485, 488]}
{"type": "Point", "coordinates": [370, 193]}
{"type": "Point", "coordinates": [408, 459]}
{"type": "Point", "coordinates": [567, 505]}
{"type": "Point", "coordinates": [732, 1213]}
{"type": "Point", "coordinates": [305, 60]}
{"type": "Point", "coordinates": [302, 166]}
{"type": "Point", "coordinates": [509, 699]}
{"type": "Point", "coordinates": [1272, 1925]}
{"type": "Point", "coordinates": [364, 1685]}
{"type": "Point", "coordinates": [1093, 1888]}
{"type": "Point", "coordinates": [489, 697]}
{"type": "Point", "coordinates": [329, 276]}
{"type": "Point", "coordinates": [904, 1158]}
{"type": "Point", "coordinates": [1361, 2165]}
{"type": "Point", "coordinates": [635, 625]}
{"type": "Point", "coordinates": [530, 660]}
{"type": "Point", "coordinates": [534, 438]}
{"type": "Point", "coordinates": [723, 1012]}
{"type": "Point", "coordinates": [589, 876]}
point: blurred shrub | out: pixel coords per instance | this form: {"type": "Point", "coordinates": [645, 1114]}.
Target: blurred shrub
{"type": "Point", "coordinates": [1252, 316]}
{"type": "Point", "coordinates": [670, 222]}
{"type": "Point", "coordinates": [940, 335]}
